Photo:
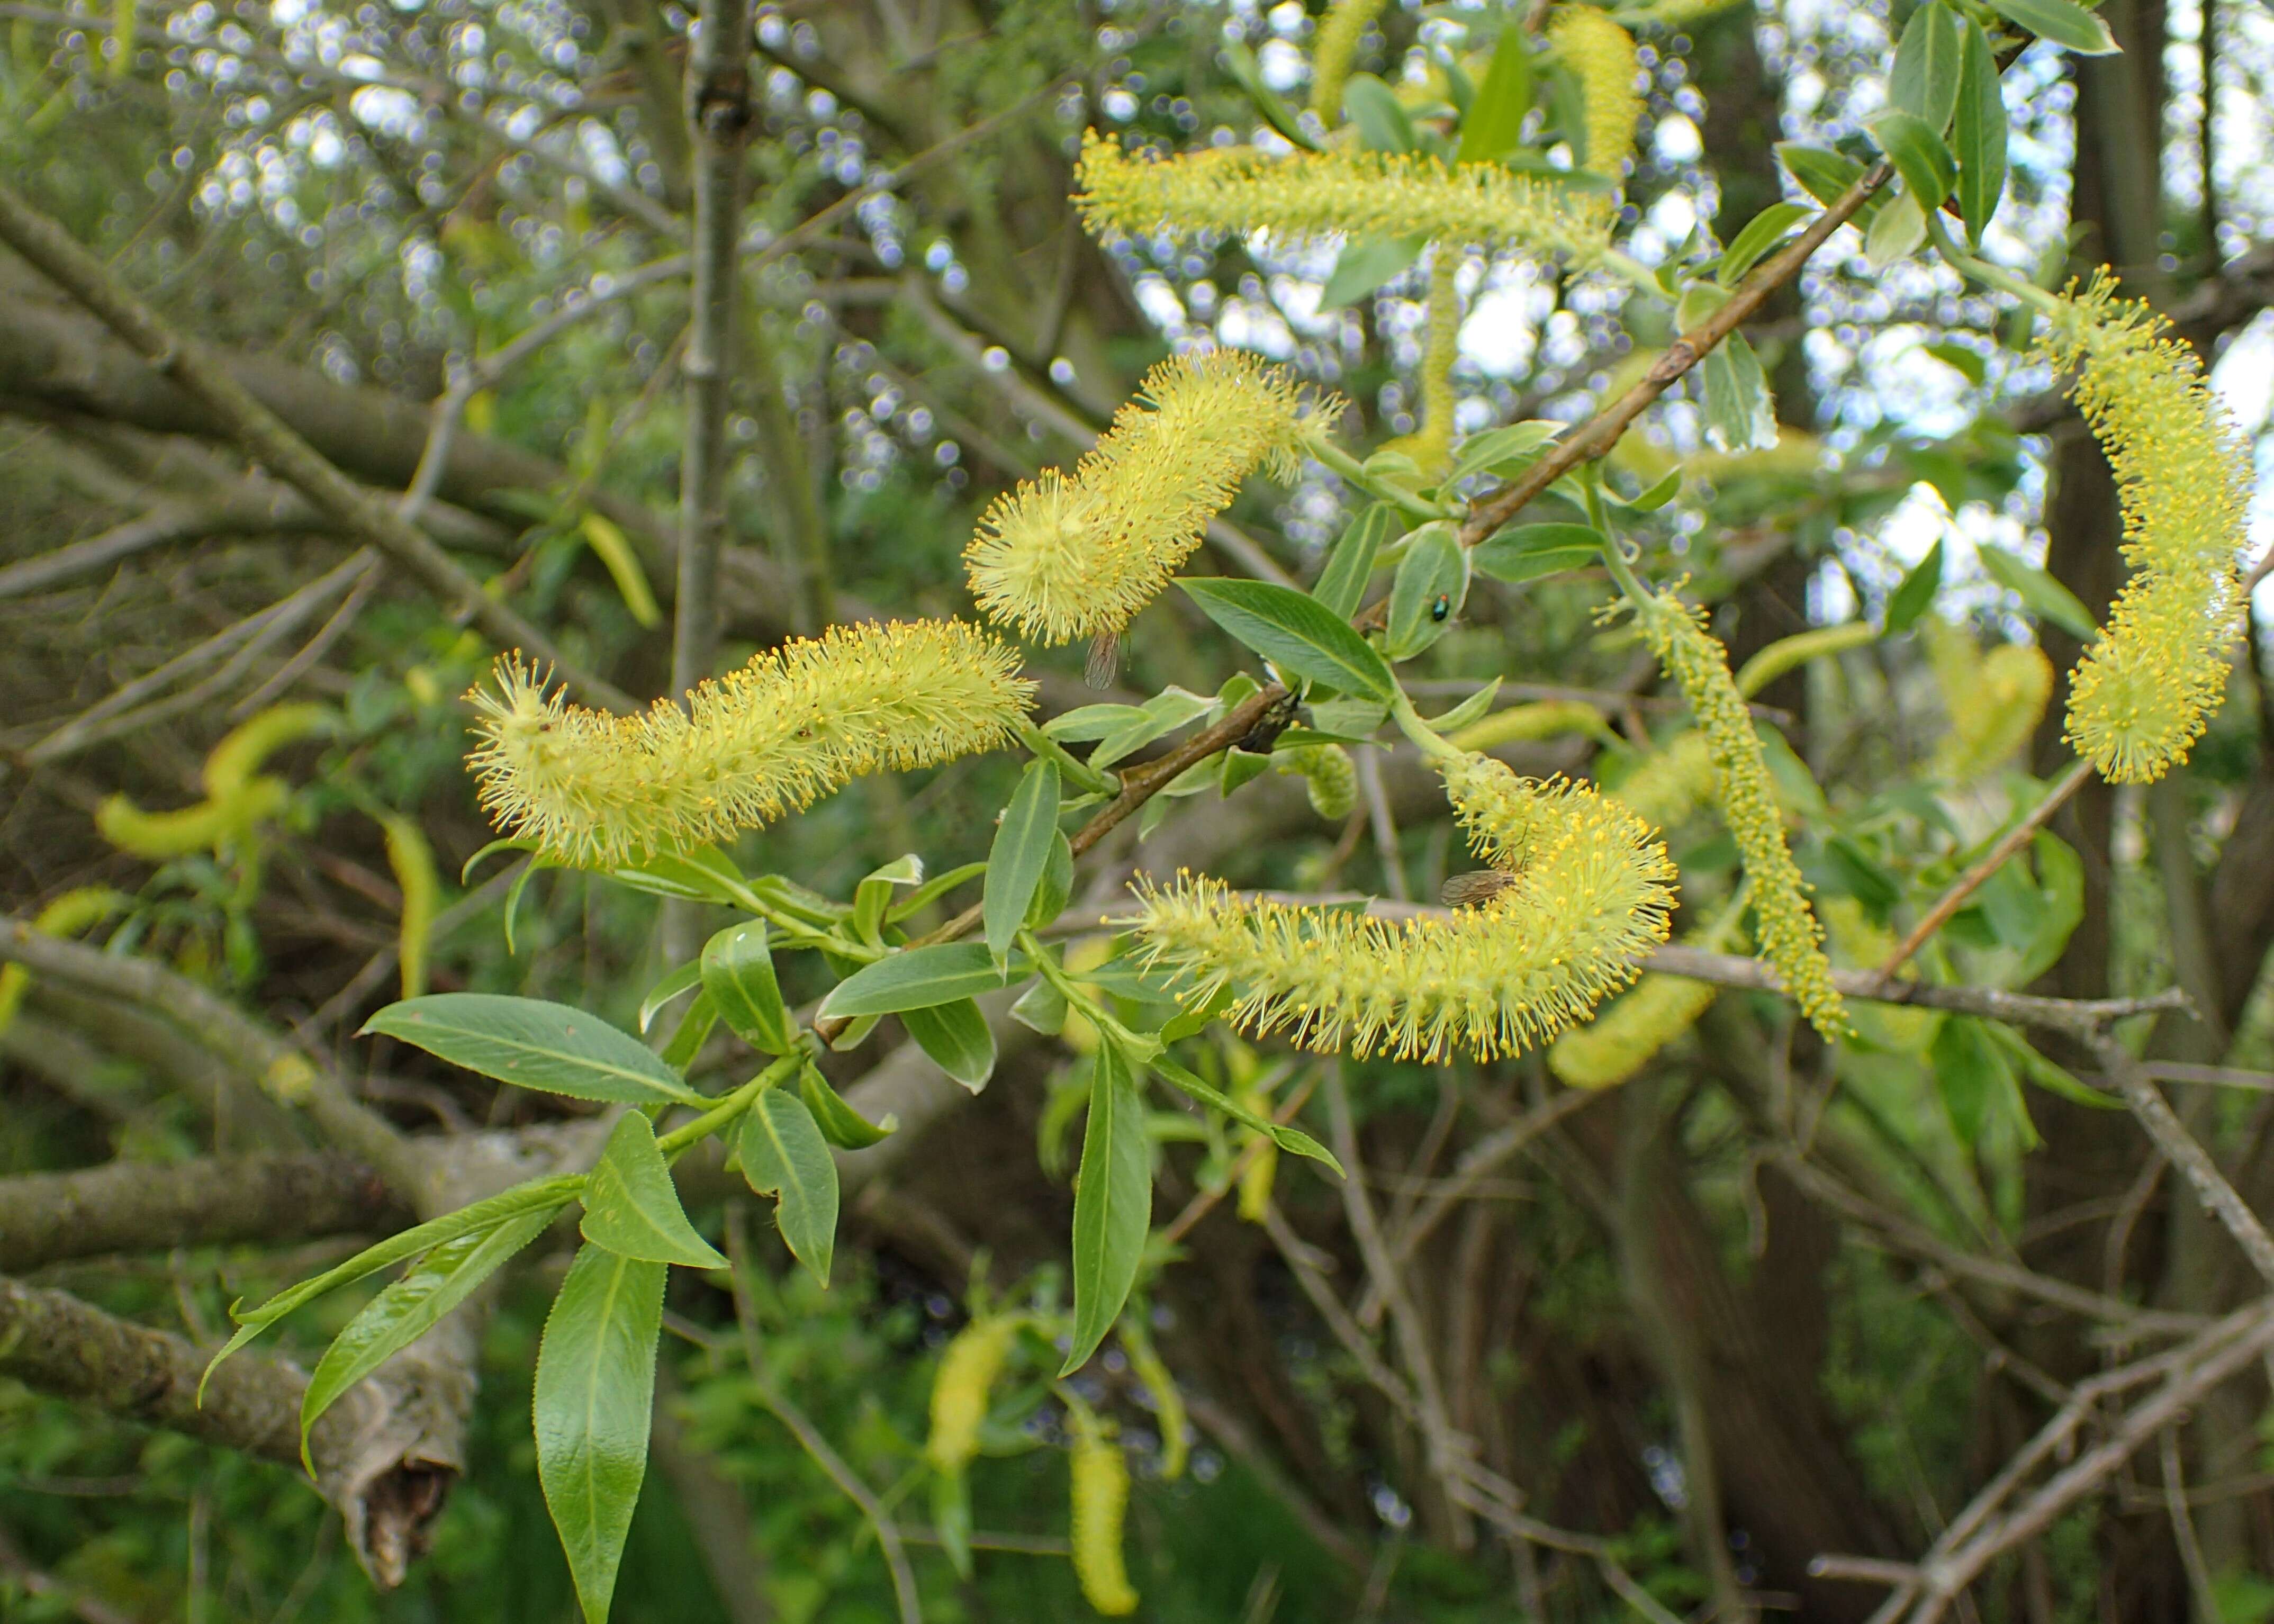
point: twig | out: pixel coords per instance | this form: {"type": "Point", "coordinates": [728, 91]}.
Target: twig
{"type": "Point", "coordinates": [2014, 839]}
{"type": "Point", "coordinates": [330, 632]}
{"type": "Point", "coordinates": [2183, 1527]}
{"type": "Point", "coordinates": [60, 256]}
{"type": "Point", "coordinates": [2181, 1149]}
{"type": "Point", "coordinates": [1488, 512]}
{"type": "Point", "coordinates": [1383, 825]}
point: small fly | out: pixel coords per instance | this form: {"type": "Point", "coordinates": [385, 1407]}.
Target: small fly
{"type": "Point", "coordinates": [1104, 659]}
{"type": "Point", "coordinates": [1473, 890]}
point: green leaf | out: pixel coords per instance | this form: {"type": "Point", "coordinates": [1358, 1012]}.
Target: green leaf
{"type": "Point", "coordinates": [1041, 1008]}
{"type": "Point", "coordinates": [1295, 632]}
{"type": "Point", "coordinates": [874, 894]}
{"type": "Point", "coordinates": [1924, 79]}
{"type": "Point", "coordinates": [951, 1515]}
{"type": "Point", "coordinates": [534, 1044]}
{"type": "Point", "coordinates": [410, 1307]}
{"type": "Point", "coordinates": [702, 874]}
{"type": "Point", "coordinates": [1373, 107]}
{"type": "Point", "coordinates": [1469, 709]}
{"type": "Point", "coordinates": [1431, 585]}
{"type": "Point", "coordinates": [1896, 230]}
{"type": "Point", "coordinates": [1916, 595]}
{"type": "Point", "coordinates": [1293, 1141]}
{"type": "Point", "coordinates": [693, 1031]}
{"type": "Point", "coordinates": [1525, 551]}
{"type": "Point", "coordinates": [1248, 74]}
{"type": "Point", "coordinates": [1958, 358]}
{"type": "Point", "coordinates": [1504, 450]}
{"type": "Point", "coordinates": [957, 1038]}
{"type": "Point", "coordinates": [1980, 133]}
{"type": "Point", "coordinates": [1917, 150]}
{"type": "Point", "coordinates": [737, 973]}
{"type": "Point", "coordinates": [1492, 126]}
{"type": "Point", "coordinates": [1365, 264]}
{"type": "Point", "coordinates": [1112, 1204]}
{"type": "Point", "coordinates": [932, 889]}
{"type": "Point", "coordinates": [1240, 768]}
{"type": "Point", "coordinates": [1056, 885]}
{"type": "Point", "coordinates": [1975, 1078]}
{"type": "Point", "coordinates": [784, 1156]}
{"type": "Point", "coordinates": [2042, 596]}
{"type": "Point", "coordinates": [1739, 415]}
{"type": "Point", "coordinates": [916, 978]}
{"type": "Point", "coordinates": [631, 1206]}
{"type": "Point", "coordinates": [840, 1123]}
{"type": "Point", "coordinates": [1763, 232]}
{"type": "Point", "coordinates": [684, 979]}
{"type": "Point", "coordinates": [1165, 712]}
{"type": "Point", "coordinates": [594, 1402]}
{"type": "Point", "coordinates": [1086, 721]}
{"type": "Point", "coordinates": [1823, 174]}
{"type": "Point", "coordinates": [1020, 854]}
{"type": "Point", "coordinates": [1342, 584]}
{"type": "Point", "coordinates": [2063, 23]}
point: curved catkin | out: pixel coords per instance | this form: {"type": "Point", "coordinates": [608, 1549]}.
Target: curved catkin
{"type": "Point", "coordinates": [242, 751]}
{"type": "Point", "coordinates": [68, 915]}
{"type": "Point", "coordinates": [210, 823]}
{"type": "Point", "coordinates": [413, 862]}
{"type": "Point", "coordinates": [1063, 557]}
{"type": "Point", "coordinates": [1431, 445]}
{"type": "Point", "coordinates": [1791, 939]}
{"type": "Point", "coordinates": [960, 1390]}
{"type": "Point", "coordinates": [1601, 57]}
{"type": "Point", "coordinates": [1330, 778]}
{"type": "Point", "coordinates": [1995, 700]}
{"type": "Point", "coordinates": [2142, 695]}
{"type": "Point", "coordinates": [1334, 55]}
{"type": "Point", "coordinates": [1145, 1364]}
{"type": "Point", "coordinates": [1626, 1035]}
{"type": "Point", "coordinates": [1590, 895]}
{"type": "Point", "coordinates": [1546, 718]}
{"type": "Point", "coordinates": [796, 722]}
{"type": "Point", "coordinates": [1303, 195]}
{"type": "Point", "coordinates": [1101, 1502]}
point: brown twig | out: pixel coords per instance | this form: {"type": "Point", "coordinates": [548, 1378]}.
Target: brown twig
{"type": "Point", "coordinates": [2185, 1153]}
{"type": "Point", "coordinates": [1600, 432]}
{"type": "Point", "coordinates": [2014, 839]}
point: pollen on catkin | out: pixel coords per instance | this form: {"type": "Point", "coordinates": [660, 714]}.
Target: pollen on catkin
{"type": "Point", "coordinates": [2142, 695]}
{"type": "Point", "coordinates": [1337, 52]}
{"type": "Point", "coordinates": [1303, 195]}
{"type": "Point", "coordinates": [1626, 1035]}
{"type": "Point", "coordinates": [1101, 1503]}
{"type": "Point", "coordinates": [1601, 57]}
{"type": "Point", "coordinates": [1330, 778]}
{"type": "Point", "coordinates": [960, 1390]}
{"type": "Point", "coordinates": [1591, 895]}
{"type": "Point", "coordinates": [1062, 557]}
{"type": "Point", "coordinates": [796, 722]}
{"type": "Point", "coordinates": [1791, 939]}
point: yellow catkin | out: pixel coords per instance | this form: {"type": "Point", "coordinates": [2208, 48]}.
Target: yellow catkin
{"type": "Point", "coordinates": [1431, 445]}
{"type": "Point", "coordinates": [210, 823]}
{"type": "Point", "coordinates": [1330, 778]}
{"type": "Point", "coordinates": [1340, 34]}
{"type": "Point", "coordinates": [1623, 1037]}
{"type": "Point", "coordinates": [1258, 1179]}
{"type": "Point", "coordinates": [1791, 939]}
{"type": "Point", "coordinates": [1145, 1364]}
{"type": "Point", "coordinates": [2143, 692]}
{"type": "Point", "coordinates": [1601, 57]}
{"type": "Point", "coordinates": [1061, 557]}
{"type": "Point", "coordinates": [1994, 701]}
{"type": "Point", "coordinates": [1789, 653]}
{"type": "Point", "coordinates": [242, 751]}
{"type": "Point", "coordinates": [796, 722]}
{"type": "Point", "coordinates": [68, 915]}
{"type": "Point", "coordinates": [1591, 895]}
{"type": "Point", "coordinates": [1305, 195]}
{"type": "Point", "coordinates": [413, 862]}
{"type": "Point", "coordinates": [960, 1390]}
{"type": "Point", "coordinates": [1860, 944]}
{"type": "Point", "coordinates": [1101, 1503]}
{"type": "Point", "coordinates": [1672, 784]}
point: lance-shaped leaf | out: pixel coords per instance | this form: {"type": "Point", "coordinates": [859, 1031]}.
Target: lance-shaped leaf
{"type": "Point", "coordinates": [1342, 584]}
{"type": "Point", "coordinates": [957, 1037]}
{"type": "Point", "coordinates": [1294, 631]}
{"type": "Point", "coordinates": [1112, 1203]}
{"type": "Point", "coordinates": [784, 1156]}
{"type": "Point", "coordinates": [840, 1124]}
{"type": "Point", "coordinates": [1980, 132]}
{"type": "Point", "coordinates": [738, 973]}
{"type": "Point", "coordinates": [1020, 854]}
{"type": "Point", "coordinates": [918, 979]}
{"type": "Point", "coordinates": [535, 1044]}
{"type": "Point", "coordinates": [595, 1398]}
{"type": "Point", "coordinates": [631, 1206]}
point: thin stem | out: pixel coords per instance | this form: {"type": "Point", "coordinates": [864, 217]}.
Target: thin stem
{"type": "Point", "coordinates": [1990, 276]}
{"type": "Point", "coordinates": [1338, 460]}
{"type": "Point", "coordinates": [685, 1138]}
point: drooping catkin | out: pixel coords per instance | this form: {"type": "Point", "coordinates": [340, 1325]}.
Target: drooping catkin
{"type": "Point", "coordinates": [245, 748]}
{"type": "Point", "coordinates": [1431, 445]}
{"type": "Point", "coordinates": [1330, 778]}
{"type": "Point", "coordinates": [1340, 34]}
{"type": "Point", "coordinates": [1062, 558]}
{"type": "Point", "coordinates": [1994, 701]}
{"type": "Point", "coordinates": [1100, 1504]}
{"type": "Point", "coordinates": [1153, 1374]}
{"type": "Point", "coordinates": [1304, 195]}
{"type": "Point", "coordinates": [2142, 693]}
{"type": "Point", "coordinates": [1601, 57]}
{"type": "Point", "coordinates": [1590, 895]}
{"type": "Point", "coordinates": [68, 915]}
{"type": "Point", "coordinates": [1670, 785]}
{"type": "Point", "coordinates": [210, 823]}
{"type": "Point", "coordinates": [960, 1387]}
{"type": "Point", "coordinates": [413, 862]}
{"type": "Point", "coordinates": [1791, 939]}
{"type": "Point", "coordinates": [796, 722]}
{"type": "Point", "coordinates": [1626, 1035]}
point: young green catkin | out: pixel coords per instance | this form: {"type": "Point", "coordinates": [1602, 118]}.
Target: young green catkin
{"type": "Point", "coordinates": [1791, 939]}
{"type": "Point", "coordinates": [960, 1390]}
{"type": "Point", "coordinates": [1994, 701]}
{"type": "Point", "coordinates": [1430, 446]}
{"type": "Point", "coordinates": [242, 751]}
{"type": "Point", "coordinates": [1101, 1503]}
{"type": "Point", "coordinates": [207, 826]}
{"type": "Point", "coordinates": [1626, 1035]}
{"type": "Point", "coordinates": [2142, 695]}
{"type": "Point", "coordinates": [1063, 558]}
{"type": "Point", "coordinates": [1669, 787]}
{"type": "Point", "coordinates": [413, 862]}
{"type": "Point", "coordinates": [68, 915]}
{"type": "Point", "coordinates": [1601, 57]}
{"type": "Point", "coordinates": [1337, 52]}
{"type": "Point", "coordinates": [1145, 1364]}
{"type": "Point", "coordinates": [1330, 778]}
{"type": "Point", "coordinates": [1304, 195]}
{"type": "Point", "coordinates": [796, 722]}
{"type": "Point", "coordinates": [1590, 895]}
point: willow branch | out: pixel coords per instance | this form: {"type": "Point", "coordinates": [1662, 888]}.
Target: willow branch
{"type": "Point", "coordinates": [2184, 1152]}
{"type": "Point", "coordinates": [1602, 431]}
{"type": "Point", "coordinates": [266, 436]}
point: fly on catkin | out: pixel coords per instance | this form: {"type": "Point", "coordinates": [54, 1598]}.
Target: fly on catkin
{"type": "Point", "coordinates": [1305, 195]}
{"type": "Point", "coordinates": [1590, 893]}
{"type": "Point", "coordinates": [1062, 558]}
{"type": "Point", "coordinates": [2140, 697]}
{"type": "Point", "coordinates": [1790, 937]}
{"type": "Point", "coordinates": [1101, 1503]}
{"type": "Point", "coordinates": [959, 1391]}
{"type": "Point", "coordinates": [1601, 57]}
{"type": "Point", "coordinates": [796, 722]}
